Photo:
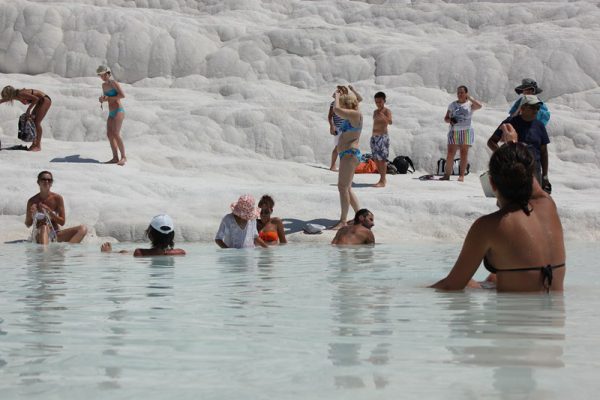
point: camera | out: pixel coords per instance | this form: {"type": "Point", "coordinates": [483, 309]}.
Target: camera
{"type": "Point", "coordinates": [453, 120]}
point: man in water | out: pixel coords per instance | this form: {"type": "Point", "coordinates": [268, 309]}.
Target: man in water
{"type": "Point", "coordinates": [530, 131]}
{"type": "Point", "coordinates": [47, 211]}
{"type": "Point", "coordinates": [359, 232]}
{"type": "Point", "coordinates": [380, 141]}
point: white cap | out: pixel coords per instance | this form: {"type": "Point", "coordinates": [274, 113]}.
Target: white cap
{"type": "Point", "coordinates": [162, 223]}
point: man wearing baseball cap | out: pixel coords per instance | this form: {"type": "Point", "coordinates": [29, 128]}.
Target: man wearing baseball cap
{"type": "Point", "coordinates": [529, 87]}
{"type": "Point", "coordinates": [531, 132]}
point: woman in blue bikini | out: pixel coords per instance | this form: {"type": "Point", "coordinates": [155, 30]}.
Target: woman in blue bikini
{"type": "Point", "coordinates": [112, 94]}
{"type": "Point", "coordinates": [346, 106]}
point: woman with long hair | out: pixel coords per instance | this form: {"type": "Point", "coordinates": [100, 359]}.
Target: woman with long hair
{"type": "Point", "coordinates": [38, 105]}
{"type": "Point", "coordinates": [521, 244]}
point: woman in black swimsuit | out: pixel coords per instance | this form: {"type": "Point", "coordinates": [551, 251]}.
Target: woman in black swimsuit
{"type": "Point", "coordinates": [39, 104]}
{"type": "Point", "coordinates": [522, 243]}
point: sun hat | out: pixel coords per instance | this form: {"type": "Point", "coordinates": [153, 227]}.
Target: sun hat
{"type": "Point", "coordinates": [528, 83]}
{"type": "Point", "coordinates": [244, 207]}
{"type": "Point", "coordinates": [530, 100]}
{"type": "Point", "coordinates": [162, 223]}
{"type": "Point", "coordinates": [102, 70]}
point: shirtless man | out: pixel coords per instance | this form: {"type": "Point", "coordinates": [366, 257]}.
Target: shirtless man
{"type": "Point", "coordinates": [380, 141]}
{"type": "Point", "coordinates": [47, 211]}
{"type": "Point", "coordinates": [359, 232]}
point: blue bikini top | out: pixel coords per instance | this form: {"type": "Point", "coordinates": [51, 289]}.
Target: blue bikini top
{"type": "Point", "coordinates": [111, 93]}
{"type": "Point", "coordinates": [347, 127]}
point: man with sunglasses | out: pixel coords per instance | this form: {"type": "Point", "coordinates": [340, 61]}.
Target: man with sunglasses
{"type": "Point", "coordinates": [46, 210]}
{"type": "Point", "coordinates": [530, 131]}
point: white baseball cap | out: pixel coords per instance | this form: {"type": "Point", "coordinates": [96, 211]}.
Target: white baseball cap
{"type": "Point", "coordinates": [162, 223]}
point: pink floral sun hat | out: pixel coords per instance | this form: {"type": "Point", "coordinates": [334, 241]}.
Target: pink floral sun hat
{"type": "Point", "coordinates": [244, 207]}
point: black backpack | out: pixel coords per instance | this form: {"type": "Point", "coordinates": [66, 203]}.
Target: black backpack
{"type": "Point", "coordinates": [403, 164]}
{"type": "Point", "coordinates": [441, 167]}
{"type": "Point", "coordinates": [27, 131]}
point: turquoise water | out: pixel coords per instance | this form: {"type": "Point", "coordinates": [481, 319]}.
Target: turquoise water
{"type": "Point", "coordinates": [295, 322]}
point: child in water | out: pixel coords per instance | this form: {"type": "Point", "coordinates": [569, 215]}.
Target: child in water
{"type": "Point", "coordinates": [161, 233]}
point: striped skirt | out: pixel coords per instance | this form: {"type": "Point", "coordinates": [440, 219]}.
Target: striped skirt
{"type": "Point", "coordinates": [461, 136]}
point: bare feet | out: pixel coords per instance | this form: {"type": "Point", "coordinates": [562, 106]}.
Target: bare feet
{"type": "Point", "coordinates": [112, 161]}
{"type": "Point", "coordinates": [338, 226]}
{"type": "Point", "coordinates": [34, 148]}
{"type": "Point", "coordinates": [461, 178]}
{"type": "Point", "coordinates": [106, 247]}
{"type": "Point", "coordinates": [379, 184]}
{"type": "Point", "coordinates": [334, 169]}
{"type": "Point", "coordinates": [445, 178]}
{"type": "Point", "coordinates": [122, 161]}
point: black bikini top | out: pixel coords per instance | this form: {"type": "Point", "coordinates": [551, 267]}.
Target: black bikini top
{"type": "Point", "coordinates": [546, 271]}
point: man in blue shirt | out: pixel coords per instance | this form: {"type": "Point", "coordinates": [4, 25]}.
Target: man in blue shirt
{"type": "Point", "coordinates": [530, 131]}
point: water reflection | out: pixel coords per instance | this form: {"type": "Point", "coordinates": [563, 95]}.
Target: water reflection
{"type": "Point", "coordinates": [161, 274]}
{"type": "Point", "coordinates": [360, 317]}
{"type": "Point", "coordinates": [44, 287]}
{"type": "Point", "coordinates": [514, 334]}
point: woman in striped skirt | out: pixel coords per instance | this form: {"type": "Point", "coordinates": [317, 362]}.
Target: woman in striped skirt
{"type": "Point", "coordinates": [461, 135]}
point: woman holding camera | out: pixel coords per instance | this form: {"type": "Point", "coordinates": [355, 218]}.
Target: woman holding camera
{"type": "Point", "coordinates": [461, 135]}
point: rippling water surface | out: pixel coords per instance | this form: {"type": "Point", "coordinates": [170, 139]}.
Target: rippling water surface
{"type": "Point", "coordinates": [295, 322]}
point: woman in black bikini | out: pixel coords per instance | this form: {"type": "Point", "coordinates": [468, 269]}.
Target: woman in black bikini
{"type": "Point", "coordinates": [39, 104]}
{"type": "Point", "coordinates": [522, 243]}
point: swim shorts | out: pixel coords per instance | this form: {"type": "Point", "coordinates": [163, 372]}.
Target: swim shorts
{"type": "Point", "coordinates": [380, 147]}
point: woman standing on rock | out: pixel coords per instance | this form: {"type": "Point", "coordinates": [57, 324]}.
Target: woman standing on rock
{"type": "Point", "coordinates": [461, 134]}
{"type": "Point", "coordinates": [112, 94]}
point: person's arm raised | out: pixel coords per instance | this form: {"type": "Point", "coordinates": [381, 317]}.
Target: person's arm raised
{"type": "Point", "coordinates": [358, 96]}
{"type": "Point", "coordinates": [352, 115]}
{"type": "Point", "coordinates": [475, 104]}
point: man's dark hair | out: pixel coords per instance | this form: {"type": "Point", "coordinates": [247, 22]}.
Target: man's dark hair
{"type": "Point", "coordinates": [511, 168]}
{"type": "Point", "coordinates": [380, 95]}
{"type": "Point", "coordinates": [363, 212]}
{"type": "Point", "coordinates": [44, 173]}
{"type": "Point", "coordinates": [160, 240]}
{"type": "Point", "coordinates": [463, 87]}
